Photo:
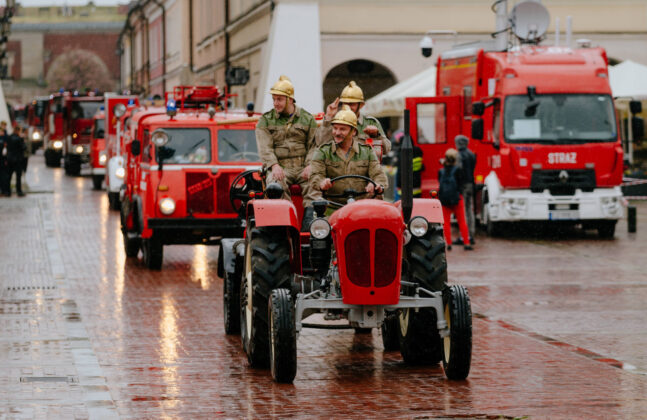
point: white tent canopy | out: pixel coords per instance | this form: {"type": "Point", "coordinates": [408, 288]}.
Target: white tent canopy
{"type": "Point", "coordinates": [390, 103]}
{"type": "Point", "coordinates": [628, 79]}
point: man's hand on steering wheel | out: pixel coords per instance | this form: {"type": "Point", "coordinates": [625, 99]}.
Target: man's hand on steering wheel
{"type": "Point", "coordinates": [374, 189]}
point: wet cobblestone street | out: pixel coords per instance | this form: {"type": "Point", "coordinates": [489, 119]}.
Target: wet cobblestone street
{"type": "Point", "coordinates": [559, 329]}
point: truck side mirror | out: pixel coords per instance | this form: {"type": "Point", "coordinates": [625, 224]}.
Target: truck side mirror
{"type": "Point", "coordinates": [477, 129]}
{"type": "Point", "coordinates": [636, 107]}
{"type": "Point", "coordinates": [478, 108]}
{"type": "Point", "coordinates": [638, 128]}
{"type": "Point", "coordinates": [136, 147]}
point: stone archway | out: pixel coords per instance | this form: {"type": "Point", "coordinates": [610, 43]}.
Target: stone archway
{"type": "Point", "coordinates": [372, 77]}
{"type": "Point", "coordinates": [79, 70]}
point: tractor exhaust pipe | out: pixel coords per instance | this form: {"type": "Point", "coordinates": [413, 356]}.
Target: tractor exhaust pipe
{"type": "Point", "coordinates": [406, 171]}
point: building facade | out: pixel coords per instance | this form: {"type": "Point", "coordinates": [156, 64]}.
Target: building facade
{"type": "Point", "coordinates": [323, 44]}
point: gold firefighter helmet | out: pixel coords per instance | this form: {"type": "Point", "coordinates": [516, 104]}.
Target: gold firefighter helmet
{"type": "Point", "coordinates": [352, 94]}
{"type": "Point", "coordinates": [283, 87]}
{"type": "Point", "coordinates": [345, 116]}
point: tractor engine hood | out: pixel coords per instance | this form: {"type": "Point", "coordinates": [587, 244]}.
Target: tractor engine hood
{"type": "Point", "coordinates": [368, 239]}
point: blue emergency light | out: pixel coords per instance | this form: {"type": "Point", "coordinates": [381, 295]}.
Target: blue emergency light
{"type": "Point", "coordinates": [61, 90]}
{"type": "Point", "coordinates": [131, 102]}
{"type": "Point", "coordinates": [102, 108]}
{"type": "Point", "coordinates": [171, 107]}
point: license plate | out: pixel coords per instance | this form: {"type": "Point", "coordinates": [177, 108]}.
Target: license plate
{"type": "Point", "coordinates": [563, 215]}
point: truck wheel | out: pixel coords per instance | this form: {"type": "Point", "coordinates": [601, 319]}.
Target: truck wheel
{"type": "Point", "coordinates": [283, 336]}
{"type": "Point", "coordinates": [113, 200]}
{"type": "Point", "coordinates": [457, 346]}
{"type": "Point", "coordinates": [427, 260]}
{"type": "Point", "coordinates": [607, 229]}
{"type": "Point", "coordinates": [153, 251]}
{"type": "Point", "coordinates": [390, 327]}
{"type": "Point", "coordinates": [231, 302]}
{"type": "Point", "coordinates": [418, 336]}
{"type": "Point", "coordinates": [267, 267]}
{"type": "Point", "coordinates": [132, 243]}
{"type": "Point", "coordinates": [52, 159]}
{"type": "Point", "coordinates": [97, 182]}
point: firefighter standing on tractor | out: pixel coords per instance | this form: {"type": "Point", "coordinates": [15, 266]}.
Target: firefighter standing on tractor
{"type": "Point", "coordinates": [343, 154]}
{"type": "Point", "coordinates": [367, 127]}
{"type": "Point", "coordinates": [286, 141]}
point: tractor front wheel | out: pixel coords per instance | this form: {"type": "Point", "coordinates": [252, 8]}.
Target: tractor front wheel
{"type": "Point", "coordinates": [267, 267]}
{"type": "Point", "coordinates": [457, 346]}
{"type": "Point", "coordinates": [420, 342]}
{"type": "Point", "coordinates": [231, 302]}
{"type": "Point", "coordinates": [427, 260]}
{"type": "Point", "coordinates": [283, 336]}
{"type": "Point", "coordinates": [390, 332]}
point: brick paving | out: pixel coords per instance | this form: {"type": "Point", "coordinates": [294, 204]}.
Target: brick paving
{"type": "Point", "coordinates": [87, 333]}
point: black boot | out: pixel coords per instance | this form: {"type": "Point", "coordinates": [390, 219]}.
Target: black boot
{"type": "Point", "coordinates": [308, 217]}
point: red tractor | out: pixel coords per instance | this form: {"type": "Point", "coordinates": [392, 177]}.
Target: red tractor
{"type": "Point", "coordinates": [373, 263]}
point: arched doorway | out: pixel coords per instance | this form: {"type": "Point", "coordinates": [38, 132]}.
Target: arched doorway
{"type": "Point", "coordinates": [372, 77]}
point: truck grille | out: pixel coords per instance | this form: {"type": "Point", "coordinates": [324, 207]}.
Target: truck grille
{"type": "Point", "coordinates": [562, 181]}
{"type": "Point", "coordinates": [199, 193]}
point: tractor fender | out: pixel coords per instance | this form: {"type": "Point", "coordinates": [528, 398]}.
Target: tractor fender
{"type": "Point", "coordinates": [269, 212]}
{"type": "Point", "coordinates": [429, 208]}
{"type": "Point", "coordinates": [230, 248]}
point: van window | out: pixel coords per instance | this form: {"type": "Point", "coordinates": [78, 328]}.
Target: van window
{"type": "Point", "coordinates": [431, 122]}
{"type": "Point", "coordinates": [237, 145]}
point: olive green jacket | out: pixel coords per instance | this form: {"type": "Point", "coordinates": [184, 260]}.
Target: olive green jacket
{"type": "Point", "coordinates": [286, 140]}
{"type": "Point", "coordinates": [324, 132]}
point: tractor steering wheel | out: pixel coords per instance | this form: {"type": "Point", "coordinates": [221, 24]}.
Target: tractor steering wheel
{"type": "Point", "coordinates": [241, 186]}
{"type": "Point", "coordinates": [349, 192]}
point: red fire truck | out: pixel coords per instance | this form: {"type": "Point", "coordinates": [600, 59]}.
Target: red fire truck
{"type": "Point", "coordinates": [542, 123]}
{"type": "Point", "coordinates": [36, 121]}
{"type": "Point", "coordinates": [54, 122]}
{"type": "Point", "coordinates": [78, 122]}
{"type": "Point", "coordinates": [180, 166]}
{"type": "Point", "coordinates": [97, 149]}
{"type": "Point", "coordinates": [116, 108]}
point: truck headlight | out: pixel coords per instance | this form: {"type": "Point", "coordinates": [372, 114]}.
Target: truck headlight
{"type": "Point", "coordinates": [167, 206]}
{"type": "Point", "coordinates": [35, 135]}
{"type": "Point", "coordinates": [78, 150]}
{"type": "Point", "coordinates": [418, 226]}
{"type": "Point", "coordinates": [120, 172]}
{"type": "Point", "coordinates": [102, 158]}
{"type": "Point", "coordinates": [320, 229]}
{"type": "Point", "coordinates": [58, 144]}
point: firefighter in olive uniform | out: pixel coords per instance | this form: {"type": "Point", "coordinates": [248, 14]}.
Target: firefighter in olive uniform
{"type": "Point", "coordinates": [367, 127]}
{"type": "Point", "coordinates": [345, 155]}
{"type": "Point", "coordinates": [285, 137]}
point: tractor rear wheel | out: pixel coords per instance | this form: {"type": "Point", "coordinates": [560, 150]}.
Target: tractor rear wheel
{"type": "Point", "coordinates": [420, 342]}
{"type": "Point", "coordinates": [283, 336]}
{"type": "Point", "coordinates": [231, 302]}
{"type": "Point", "coordinates": [457, 346]}
{"type": "Point", "coordinates": [153, 251]}
{"type": "Point", "coordinates": [427, 260]}
{"type": "Point", "coordinates": [266, 267]}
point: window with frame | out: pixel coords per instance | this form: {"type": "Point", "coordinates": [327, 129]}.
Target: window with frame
{"type": "Point", "coordinates": [432, 123]}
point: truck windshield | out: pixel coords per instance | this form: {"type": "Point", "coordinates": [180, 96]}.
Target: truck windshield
{"type": "Point", "coordinates": [99, 129]}
{"type": "Point", "coordinates": [559, 119]}
{"type": "Point", "coordinates": [186, 145]}
{"type": "Point", "coordinates": [84, 109]}
{"type": "Point", "coordinates": [237, 145]}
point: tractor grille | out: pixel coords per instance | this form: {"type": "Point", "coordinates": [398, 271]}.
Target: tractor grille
{"type": "Point", "coordinates": [385, 263]}
{"type": "Point", "coordinates": [199, 193]}
{"type": "Point", "coordinates": [563, 182]}
{"type": "Point", "coordinates": [357, 248]}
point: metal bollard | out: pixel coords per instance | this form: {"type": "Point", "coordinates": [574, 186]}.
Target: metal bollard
{"type": "Point", "coordinates": [631, 219]}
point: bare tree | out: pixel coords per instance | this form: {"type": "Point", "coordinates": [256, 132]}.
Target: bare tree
{"type": "Point", "coordinates": [79, 70]}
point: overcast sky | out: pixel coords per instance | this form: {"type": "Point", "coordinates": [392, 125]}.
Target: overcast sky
{"type": "Point", "coordinates": [69, 2]}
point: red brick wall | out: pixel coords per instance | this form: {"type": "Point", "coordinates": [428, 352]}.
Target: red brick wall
{"type": "Point", "coordinates": [102, 44]}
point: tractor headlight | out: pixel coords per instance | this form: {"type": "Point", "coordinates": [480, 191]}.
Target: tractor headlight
{"type": "Point", "coordinates": [102, 158]}
{"type": "Point", "coordinates": [167, 206]}
{"type": "Point", "coordinates": [35, 135]}
{"type": "Point", "coordinates": [58, 144]}
{"type": "Point", "coordinates": [320, 229]}
{"type": "Point", "coordinates": [120, 172]}
{"type": "Point", "coordinates": [78, 150]}
{"type": "Point", "coordinates": [418, 226]}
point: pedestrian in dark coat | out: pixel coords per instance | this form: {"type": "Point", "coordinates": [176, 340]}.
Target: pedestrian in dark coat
{"type": "Point", "coordinates": [16, 158]}
{"type": "Point", "coordinates": [5, 186]}
{"type": "Point", "coordinates": [467, 162]}
{"type": "Point", "coordinates": [450, 181]}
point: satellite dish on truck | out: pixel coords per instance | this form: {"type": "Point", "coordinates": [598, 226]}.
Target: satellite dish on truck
{"type": "Point", "coordinates": [530, 21]}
